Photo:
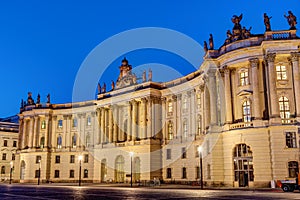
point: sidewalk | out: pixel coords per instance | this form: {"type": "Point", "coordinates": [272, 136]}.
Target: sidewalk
{"type": "Point", "coordinates": [127, 185]}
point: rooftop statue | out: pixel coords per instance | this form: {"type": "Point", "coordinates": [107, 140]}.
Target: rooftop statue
{"type": "Point", "coordinates": [292, 20]}
{"type": "Point", "coordinates": [126, 77]}
{"type": "Point", "coordinates": [229, 37]}
{"type": "Point", "coordinates": [144, 76]}
{"type": "Point", "coordinates": [205, 46]}
{"type": "Point", "coordinates": [38, 100]}
{"type": "Point", "coordinates": [48, 98]}
{"type": "Point", "coordinates": [211, 42]}
{"type": "Point", "coordinates": [267, 22]}
{"type": "Point", "coordinates": [30, 100]}
{"type": "Point", "coordinates": [99, 88]}
{"type": "Point", "coordinates": [112, 85]}
{"type": "Point", "coordinates": [104, 88]}
{"type": "Point", "coordinates": [150, 75]}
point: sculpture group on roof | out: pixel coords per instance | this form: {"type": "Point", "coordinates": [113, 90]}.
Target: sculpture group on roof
{"type": "Point", "coordinates": [240, 33]}
{"type": "Point", "coordinates": [30, 100]}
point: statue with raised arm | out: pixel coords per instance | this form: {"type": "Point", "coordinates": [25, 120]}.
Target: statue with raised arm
{"type": "Point", "coordinates": [144, 76]}
{"type": "Point", "coordinates": [236, 20]}
{"type": "Point", "coordinates": [30, 100]}
{"type": "Point", "coordinates": [150, 75]}
{"type": "Point", "coordinates": [112, 85]}
{"type": "Point", "coordinates": [229, 37]}
{"type": "Point", "coordinates": [211, 42]}
{"type": "Point", "coordinates": [267, 22]}
{"type": "Point", "coordinates": [205, 48]}
{"type": "Point", "coordinates": [104, 88]}
{"type": "Point", "coordinates": [99, 88]}
{"type": "Point", "coordinates": [292, 20]}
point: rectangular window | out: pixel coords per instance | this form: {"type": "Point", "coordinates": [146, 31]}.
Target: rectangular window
{"type": "Point", "coordinates": [57, 159]}
{"type": "Point", "coordinates": [281, 72]}
{"type": "Point", "coordinates": [4, 156]}
{"type": "Point", "coordinates": [183, 152]}
{"type": "Point", "coordinates": [89, 121]}
{"type": "Point", "coordinates": [183, 172]}
{"type": "Point", "coordinates": [168, 154]}
{"type": "Point", "coordinates": [244, 79]}
{"type": "Point", "coordinates": [85, 173]}
{"type": "Point", "coordinates": [198, 101]}
{"type": "Point", "coordinates": [43, 126]}
{"type": "Point", "coordinates": [169, 173]}
{"type": "Point", "coordinates": [74, 124]}
{"type": "Point", "coordinates": [86, 158]}
{"type": "Point", "coordinates": [197, 172]}
{"type": "Point", "coordinates": [185, 104]}
{"type": "Point", "coordinates": [72, 159]}
{"type": "Point", "coordinates": [37, 173]}
{"type": "Point", "coordinates": [56, 174]}
{"type": "Point", "coordinates": [72, 173]}
{"type": "Point", "coordinates": [15, 144]}
{"type": "Point", "coordinates": [38, 159]}
{"type": "Point", "coordinates": [5, 143]}
{"type": "Point", "coordinates": [60, 123]}
{"type": "Point", "coordinates": [290, 139]}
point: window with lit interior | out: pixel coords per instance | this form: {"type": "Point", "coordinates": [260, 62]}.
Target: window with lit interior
{"type": "Point", "coordinates": [281, 72]}
{"type": "Point", "coordinates": [284, 108]}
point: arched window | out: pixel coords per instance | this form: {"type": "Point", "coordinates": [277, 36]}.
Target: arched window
{"type": "Point", "coordinates": [185, 128]}
{"type": "Point", "coordinates": [293, 169]}
{"type": "Point", "coordinates": [170, 130]}
{"type": "Point", "coordinates": [246, 111]}
{"type": "Point", "coordinates": [42, 142]}
{"type": "Point", "coordinates": [74, 141]}
{"type": "Point", "coordinates": [243, 165]}
{"type": "Point", "coordinates": [119, 169]}
{"type": "Point", "coordinates": [59, 142]}
{"type": "Point", "coordinates": [284, 108]}
{"type": "Point", "coordinates": [3, 170]}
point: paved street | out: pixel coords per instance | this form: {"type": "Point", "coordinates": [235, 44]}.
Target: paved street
{"type": "Point", "coordinates": [99, 192]}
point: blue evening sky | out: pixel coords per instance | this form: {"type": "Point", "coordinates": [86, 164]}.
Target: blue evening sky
{"type": "Point", "coordinates": [43, 43]}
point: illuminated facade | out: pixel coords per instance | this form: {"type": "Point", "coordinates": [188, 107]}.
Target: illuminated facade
{"type": "Point", "coordinates": [242, 107]}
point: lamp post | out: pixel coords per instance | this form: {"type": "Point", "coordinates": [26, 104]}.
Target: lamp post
{"type": "Point", "coordinates": [131, 155]}
{"type": "Point", "coordinates": [80, 159]}
{"type": "Point", "coordinates": [201, 168]}
{"type": "Point", "coordinates": [39, 177]}
{"type": "Point", "coordinates": [11, 168]}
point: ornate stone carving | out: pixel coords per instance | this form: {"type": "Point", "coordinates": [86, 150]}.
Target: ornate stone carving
{"type": "Point", "coordinates": [211, 42]}
{"type": "Point", "coordinates": [267, 22]}
{"type": "Point", "coordinates": [294, 56]}
{"type": "Point", "coordinates": [270, 57]}
{"type": "Point", "coordinates": [254, 62]}
{"type": "Point", "coordinates": [292, 20]}
{"type": "Point", "coordinates": [126, 77]}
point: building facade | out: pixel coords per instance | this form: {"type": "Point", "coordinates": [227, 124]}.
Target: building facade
{"type": "Point", "coordinates": [242, 107]}
{"type": "Point", "coordinates": [8, 147]}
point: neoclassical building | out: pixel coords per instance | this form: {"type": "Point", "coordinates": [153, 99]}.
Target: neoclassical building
{"type": "Point", "coordinates": [242, 106]}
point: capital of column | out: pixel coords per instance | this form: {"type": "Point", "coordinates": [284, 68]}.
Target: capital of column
{"type": "Point", "coordinates": [201, 87]}
{"type": "Point", "coordinates": [270, 57]}
{"type": "Point", "coordinates": [174, 98]}
{"type": "Point", "coordinates": [294, 56]}
{"type": "Point", "coordinates": [163, 99]}
{"type": "Point", "coordinates": [144, 99]}
{"type": "Point", "coordinates": [179, 96]}
{"type": "Point", "coordinates": [254, 62]}
{"type": "Point", "coordinates": [133, 101]}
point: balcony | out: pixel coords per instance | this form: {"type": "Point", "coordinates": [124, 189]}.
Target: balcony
{"type": "Point", "coordinates": [241, 125]}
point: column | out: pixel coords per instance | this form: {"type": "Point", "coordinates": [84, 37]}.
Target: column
{"type": "Point", "coordinates": [134, 119]}
{"type": "Point", "coordinates": [213, 96]}
{"type": "Point", "coordinates": [68, 131]}
{"type": "Point", "coordinates": [30, 132]}
{"type": "Point", "coordinates": [202, 108]}
{"type": "Point", "coordinates": [175, 130]}
{"type": "Point", "coordinates": [274, 106]}
{"type": "Point", "coordinates": [102, 125]}
{"type": "Point", "coordinates": [163, 120]}
{"type": "Point", "coordinates": [295, 62]}
{"type": "Point", "coordinates": [98, 128]}
{"type": "Point", "coordinates": [129, 117]}
{"type": "Point", "coordinates": [179, 119]}
{"type": "Point", "coordinates": [149, 116]}
{"type": "Point", "coordinates": [35, 130]}
{"type": "Point", "coordinates": [64, 135]}
{"type": "Point", "coordinates": [192, 115]}
{"type": "Point", "coordinates": [144, 118]}
{"type": "Point", "coordinates": [255, 87]}
{"type": "Point", "coordinates": [110, 125]}
{"type": "Point", "coordinates": [53, 132]}
{"type": "Point", "coordinates": [115, 117]}
{"type": "Point", "coordinates": [24, 133]}
{"type": "Point", "coordinates": [47, 131]}
{"type": "Point", "coordinates": [228, 102]}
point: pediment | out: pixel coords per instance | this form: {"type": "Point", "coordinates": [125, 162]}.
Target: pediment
{"type": "Point", "coordinates": [245, 93]}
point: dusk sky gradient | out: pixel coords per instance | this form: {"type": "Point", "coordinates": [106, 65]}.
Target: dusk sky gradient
{"type": "Point", "coordinates": [43, 43]}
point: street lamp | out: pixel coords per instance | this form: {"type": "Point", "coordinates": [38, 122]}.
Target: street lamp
{"type": "Point", "coordinates": [39, 177]}
{"type": "Point", "coordinates": [11, 168]}
{"type": "Point", "coordinates": [201, 169]}
{"type": "Point", "coordinates": [80, 159]}
{"type": "Point", "coordinates": [131, 155]}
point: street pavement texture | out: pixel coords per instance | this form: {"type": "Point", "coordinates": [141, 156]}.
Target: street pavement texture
{"type": "Point", "coordinates": [24, 192]}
